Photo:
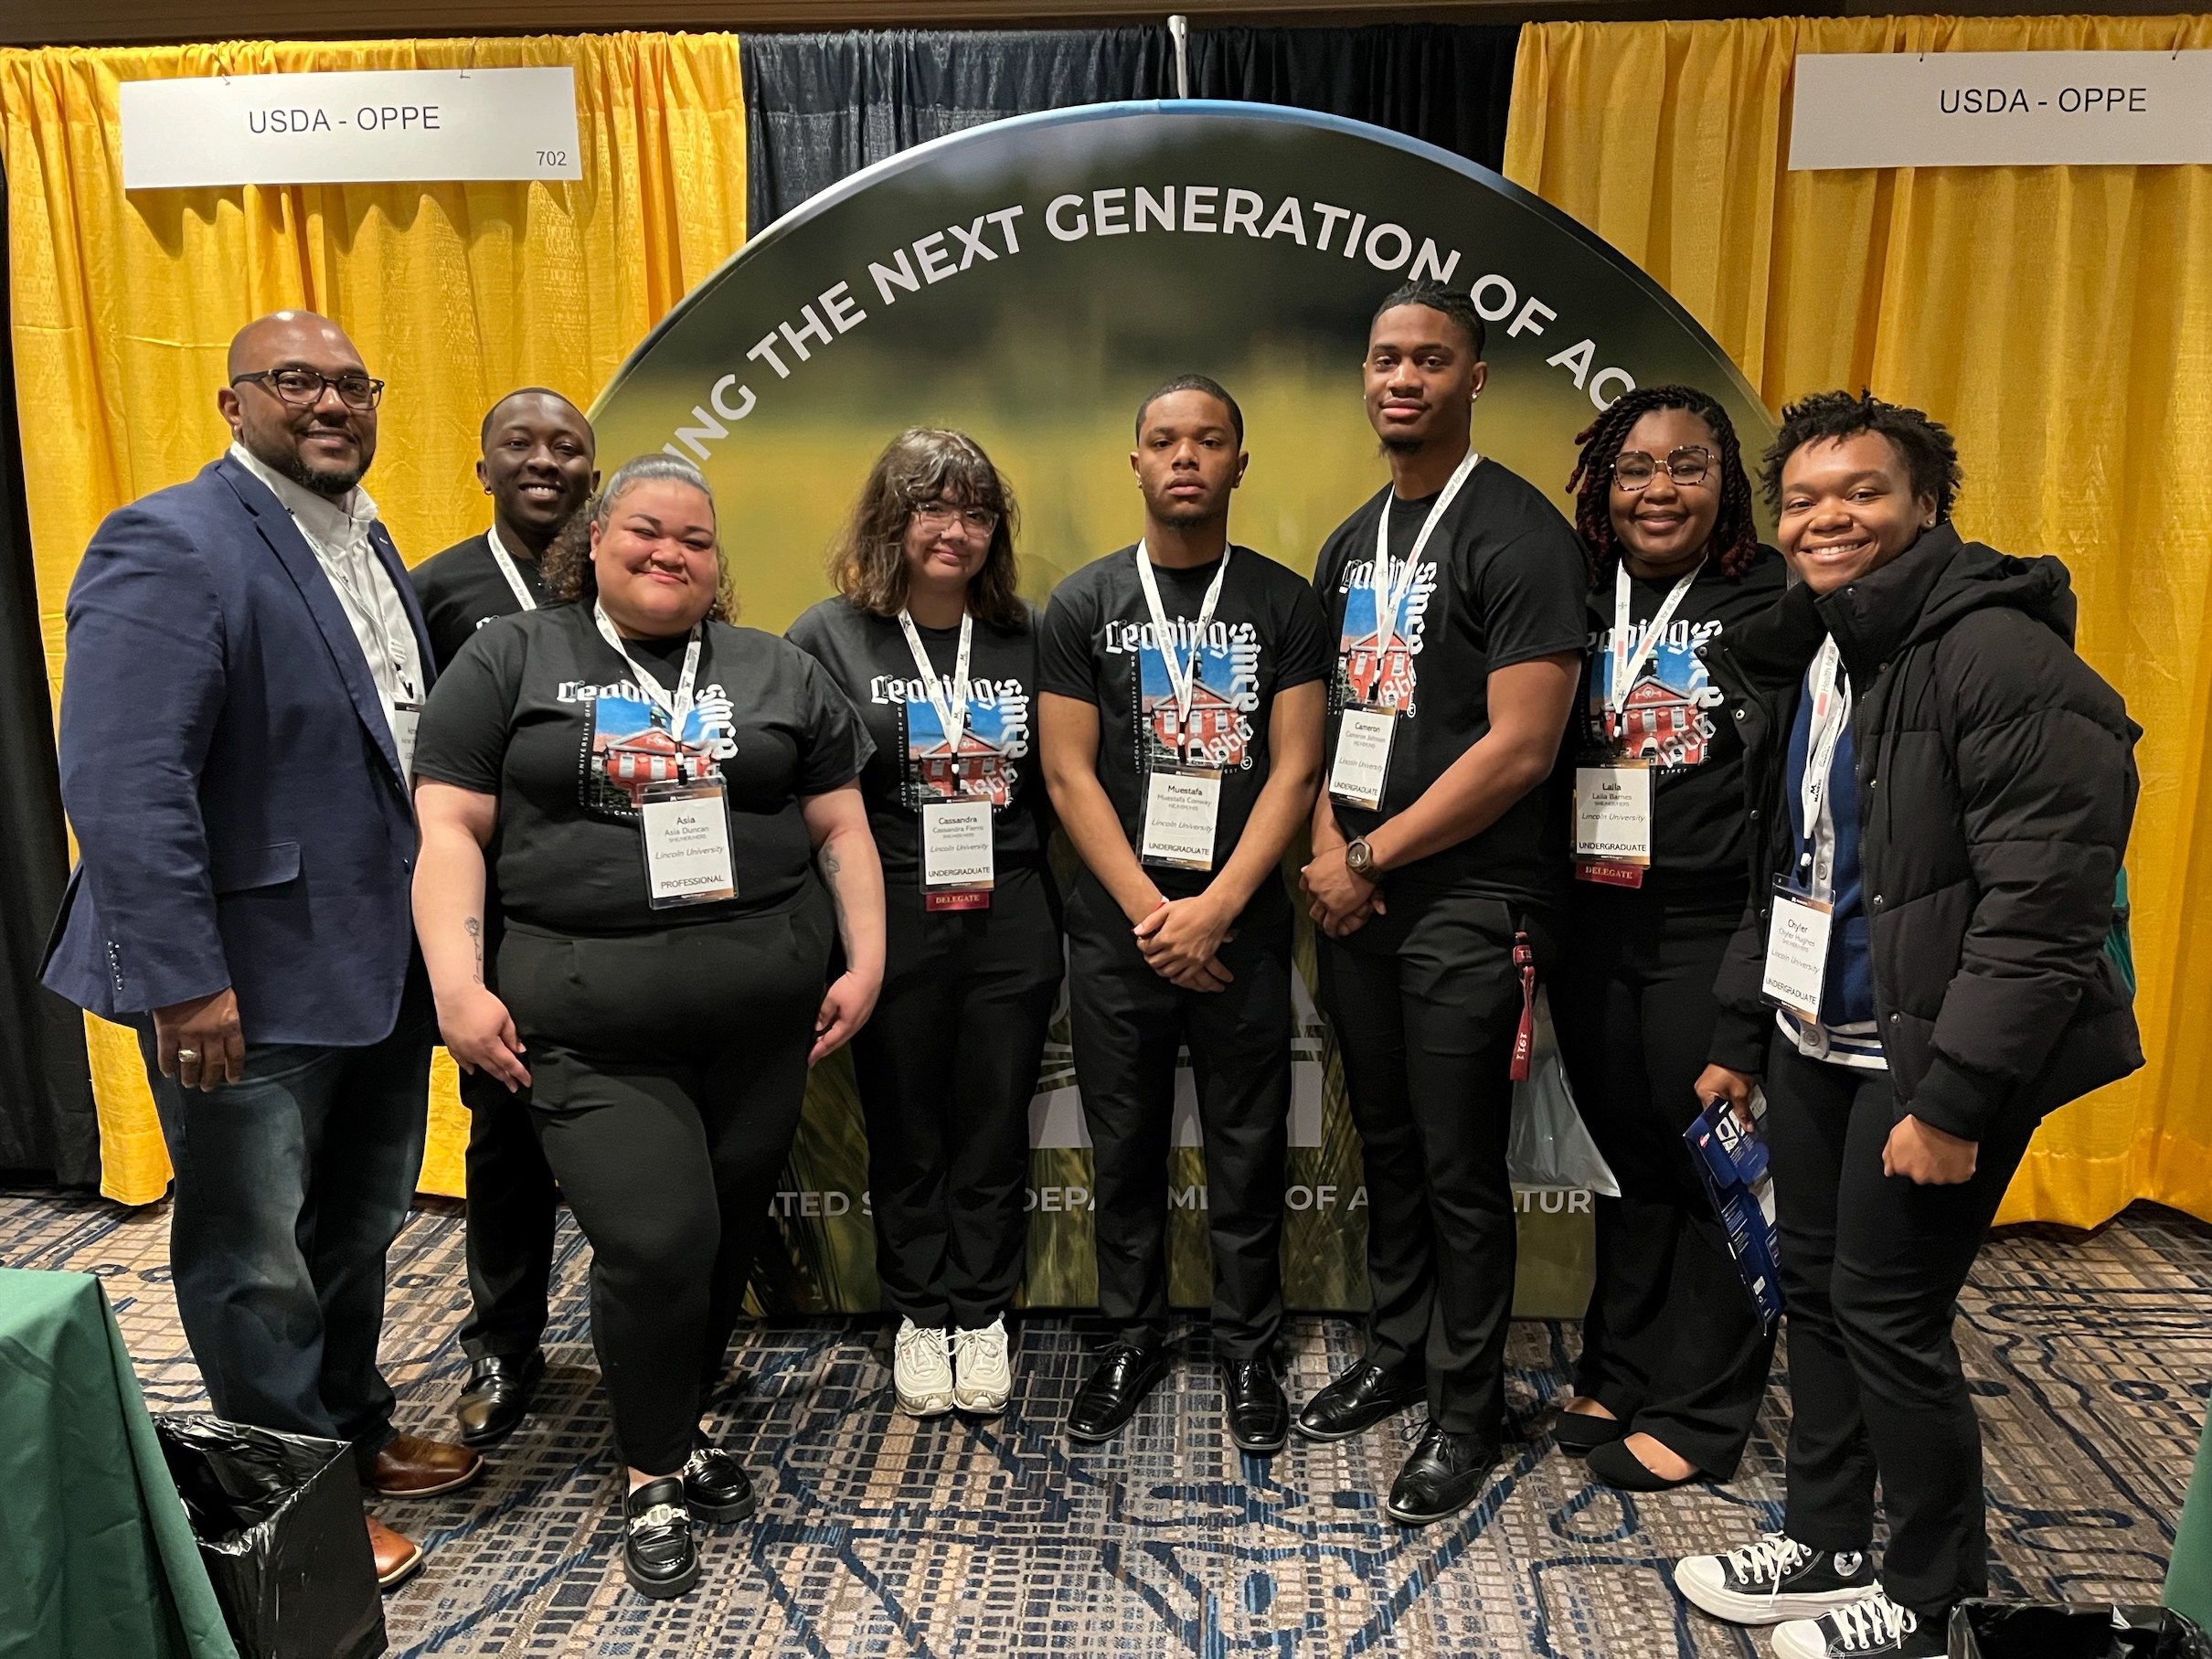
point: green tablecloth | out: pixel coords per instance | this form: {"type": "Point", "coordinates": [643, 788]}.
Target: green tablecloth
{"type": "Point", "coordinates": [101, 1562]}
{"type": "Point", "coordinates": [2189, 1576]}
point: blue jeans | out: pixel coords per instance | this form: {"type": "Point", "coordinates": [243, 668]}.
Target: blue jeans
{"type": "Point", "coordinates": [291, 1186]}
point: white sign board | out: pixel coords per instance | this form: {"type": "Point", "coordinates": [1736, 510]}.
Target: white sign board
{"type": "Point", "coordinates": [349, 127]}
{"type": "Point", "coordinates": [2001, 110]}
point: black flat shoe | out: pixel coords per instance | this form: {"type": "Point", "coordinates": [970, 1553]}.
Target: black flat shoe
{"type": "Point", "coordinates": [1441, 1478]}
{"type": "Point", "coordinates": [496, 1396]}
{"type": "Point", "coordinates": [1361, 1397]}
{"type": "Point", "coordinates": [1259, 1416]}
{"type": "Point", "coordinates": [660, 1558]}
{"type": "Point", "coordinates": [1615, 1465]}
{"type": "Point", "coordinates": [1580, 1433]}
{"type": "Point", "coordinates": [1117, 1388]}
{"type": "Point", "coordinates": [715, 1487]}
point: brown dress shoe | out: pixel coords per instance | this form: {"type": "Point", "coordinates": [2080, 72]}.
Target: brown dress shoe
{"type": "Point", "coordinates": [411, 1467]}
{"type": "Point", "coordinates": [397, 1558]}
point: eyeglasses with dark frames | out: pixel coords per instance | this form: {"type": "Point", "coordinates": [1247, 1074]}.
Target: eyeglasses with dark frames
{"type": "Point", "coordinates": [304, 388]}
{"type": "Point", "coordinates": [1634, 470]}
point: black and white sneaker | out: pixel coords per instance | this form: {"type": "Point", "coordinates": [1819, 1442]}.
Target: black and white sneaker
{"type": "Point", "coordinates": [1774, 1580]}
{"type": "Point", "coordinates": [1874, 1628]}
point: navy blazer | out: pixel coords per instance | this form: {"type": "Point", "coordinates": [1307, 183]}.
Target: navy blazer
{"type": "Point", "coordinates": [226, 761]}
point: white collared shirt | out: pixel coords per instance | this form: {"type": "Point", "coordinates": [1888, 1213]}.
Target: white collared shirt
{"type": "Point", "coordinates": [338, 531]}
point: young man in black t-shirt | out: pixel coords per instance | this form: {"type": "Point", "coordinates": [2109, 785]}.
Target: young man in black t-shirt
{"type": "Point", "coordinates": [1180, 716]}
{"type": "Point", "coordinates": [1457, 598]}
{"type": "Point", "coordinates": [538, 470]}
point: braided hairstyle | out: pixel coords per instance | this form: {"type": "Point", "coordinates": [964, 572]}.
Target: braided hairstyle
{"type": "Point", "coordinates": [1735, 538]}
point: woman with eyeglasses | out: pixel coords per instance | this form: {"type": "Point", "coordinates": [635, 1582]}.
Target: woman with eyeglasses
{"type": "Point", "coordinates": [1674, 1350]}
{"type": "Point", "coordinates": [670, 807]}
{"type": "Point", "coordinates": [937, 651]}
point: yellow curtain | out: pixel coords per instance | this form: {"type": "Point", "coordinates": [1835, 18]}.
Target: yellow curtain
{"type": "Point", "coordinates": [2058, 320]}
{"type": "Point", "coordinates": [124, 304]}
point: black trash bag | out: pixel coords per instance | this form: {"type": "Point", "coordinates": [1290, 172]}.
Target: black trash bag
{"type": "Point", "coordinates": [278, 1517]}
{"type": "Point", "coordinates": [2050, 1630]}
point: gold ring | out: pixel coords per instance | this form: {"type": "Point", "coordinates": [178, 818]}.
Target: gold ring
{"type": "Point", "coordinates": [188, 1054]}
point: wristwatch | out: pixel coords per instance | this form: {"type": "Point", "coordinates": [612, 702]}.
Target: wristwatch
{"type": "Point", "coordinates": [1359, 859]}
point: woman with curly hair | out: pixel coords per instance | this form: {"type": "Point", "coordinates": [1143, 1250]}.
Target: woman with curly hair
{"type": "Point", "coordinates": [1673, 1353]}
{"type": "Point", "coordinates": [938, 653]}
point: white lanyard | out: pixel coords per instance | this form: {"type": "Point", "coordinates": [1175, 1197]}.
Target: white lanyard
{"type": "Point", "coordinates": [1628, 665]}
{"type": "Point", "coordinates": [677, 707]}
{"type": "Point", "coordinates": [1182, 678]}
{"type": "Point", "coordinates": [1831, 713]}
{"type": "Point", "coordinates": [1392, 588]}
{"type": "Point", "coordinates": [951, 712]}
{"type": "Point", "coordinates": [371, 608]}
{"type": "Point", "coordinates": [506, 561]}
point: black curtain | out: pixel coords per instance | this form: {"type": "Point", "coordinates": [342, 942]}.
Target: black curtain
{"type": "Point", "coordinates": [48, 1131]}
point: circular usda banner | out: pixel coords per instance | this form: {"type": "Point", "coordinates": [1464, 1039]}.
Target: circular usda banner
{"type": "Point", "coordinates": [1027, 282]}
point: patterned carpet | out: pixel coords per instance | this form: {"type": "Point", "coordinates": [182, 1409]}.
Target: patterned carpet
{"type": "Point", "coordinates": [879, 1536]}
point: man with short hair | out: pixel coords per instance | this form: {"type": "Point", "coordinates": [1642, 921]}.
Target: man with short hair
{"type": "Point", "coordinates": [1180, 717]}
{"type": "Point", "coordinates": [1946, 791]}
{"type": "Point", "coordinates": [1458, 595]}
{"type": "Point", "coordinates": [537, 467]}
{"type": "Point", "coordinates": [246, 667]}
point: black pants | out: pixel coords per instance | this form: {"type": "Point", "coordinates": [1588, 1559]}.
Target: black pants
{"type": "Point", "coordinates": [1425, 1003]}
{"type": "Point", "coordinates": [946, 1068]}
{"type": "Point", "coordinates": [1871, 1269]}
{"type": "Point", "coordinates": [668, 1071]}
{"type": "Point", "coordinates": [1128, 1023]}
{"type": "Point", "coordinates": [1673, 1342]}
{"type": "Point", "coordinates": [513, 1202]}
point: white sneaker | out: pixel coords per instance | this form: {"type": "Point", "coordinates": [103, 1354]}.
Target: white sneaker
{"type": "Point", "coordinates": [1773, 1579]}
{"type": "Point", "coordinates": [986, 1374]}
{"type": "Point", "coordinates": [921, 1370]}
{"type": "Point", "coordinates": [1875, 1628]}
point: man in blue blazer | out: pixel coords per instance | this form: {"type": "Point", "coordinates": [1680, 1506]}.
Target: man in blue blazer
{"type": "Point", "coordinates": [246, 661]}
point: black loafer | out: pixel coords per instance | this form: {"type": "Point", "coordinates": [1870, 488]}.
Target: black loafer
{"type": "Point", "coordinates": [1117, 1388]}
{"type": "Point", "coordinates": [1441, 1478]}
{"type": "Point", "coordinates": [496, 1398]}
{"type": "Point", "coordinates": [1580, 1433]}
{"type": "Point", "coordinates": [1259, 1416]}
{"type": "Point", "coordinates": [715, 1487]}
{"type": "Point", "coordinates": [660, 1558]}
{"type": "Point", "coordinates": [1615, 1465]}
{"type": "Point", "coordinates": [1361, 1397]}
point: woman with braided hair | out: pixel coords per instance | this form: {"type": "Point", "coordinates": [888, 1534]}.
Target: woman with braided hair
{"type": "Point", "coordinates": [1674, 1354]}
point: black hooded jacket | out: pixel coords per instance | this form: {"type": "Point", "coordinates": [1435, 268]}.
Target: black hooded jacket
{"type": "Point", "coordinates": [1997, 784]}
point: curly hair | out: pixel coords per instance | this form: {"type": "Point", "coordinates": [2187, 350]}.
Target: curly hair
{"type": "Point", "coordinates": [567, 569]}
{"type": "Point", "coordinates": [1735, 536]}
{"type": "Point", "coordinates": [1925, 446]}
{"type": "Point", "coordinates": [922, 466]}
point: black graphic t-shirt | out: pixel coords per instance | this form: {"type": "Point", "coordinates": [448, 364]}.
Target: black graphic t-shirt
{"type": "Point", "coordinates": [1673, 718]}
{"type": "Point", "coordinates": [461, 589]}
{"type": "Point", "coordinates": [544, 714]}
{"type": "Point", "coordinates": [1502, 581]}
{"type": "Point", "coordinates": [867, 656]}
{"type": "Point", "coordinates": [1267, 635]}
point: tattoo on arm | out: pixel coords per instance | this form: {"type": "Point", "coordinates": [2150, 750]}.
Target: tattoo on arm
{"type": "Point", "coordinates": [474, 928]}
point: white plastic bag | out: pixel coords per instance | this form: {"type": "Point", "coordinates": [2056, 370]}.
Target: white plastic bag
{"type": "Point", "coordinates": [1550, 1149]}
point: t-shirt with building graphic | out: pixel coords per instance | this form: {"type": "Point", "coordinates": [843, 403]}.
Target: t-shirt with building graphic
{"type": "Point", "coordinates": [868, 657]}
{"type": "Point", "coordinates": [1267, 635]}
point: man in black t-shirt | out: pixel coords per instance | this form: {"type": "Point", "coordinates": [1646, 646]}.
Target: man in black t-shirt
{"type": "Point", "coordinates": [1180, 717]}
{"type": "Point", "coordinates": [1457, 596]}
{"type": "Point", "coordinates": [538, 470]}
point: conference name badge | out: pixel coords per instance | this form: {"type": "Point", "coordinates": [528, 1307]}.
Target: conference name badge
{"type": "Point", "coordinates": [957, 871]}
{"type": "Point", "coordinates": [407, 720]}
{"type": "Point", "coordinates": [1362, 765]}
{"type": "Point", "coordinates": [687, 827]}
{"type": "Point", "coordinates": [1182, 804]}
{"type": "Point", "coordinates": [1797, 952]}
{"type": "Point", "coordinates": [1613, 823]}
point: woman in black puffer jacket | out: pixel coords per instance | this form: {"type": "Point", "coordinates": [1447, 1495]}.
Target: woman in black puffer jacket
{"type": "Point", "coordinates": [1932, 766]}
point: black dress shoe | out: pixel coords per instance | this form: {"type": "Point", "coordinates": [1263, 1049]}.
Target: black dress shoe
{"type": "Point", "coordinates": [1116, 1389]}
{"type": "Point", "coordinates": [1259, 1416]}
{"type": "Point", "coordinates": [660, 1556]}
{"type": "Point", "coordinates": [496, 1396]}
{"type": "Point", "coordinates": [1615, 1465]}
{"type": "Point", "coordinates": [715, 1487]}
{"type": "Point", "coordinates": [1441, 1478]}
{"type": "Point", "coordinates": [1578, 1433]}
{"type": "Point", "coordinates": [1360, 1399]}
